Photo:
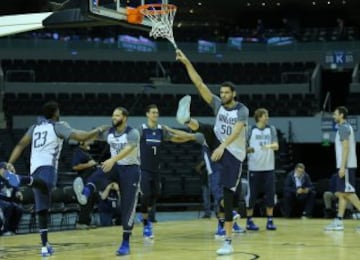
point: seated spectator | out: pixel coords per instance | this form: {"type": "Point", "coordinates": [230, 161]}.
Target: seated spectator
{"type": "Point", "coordinates": [330, 199]}
{"type": "Point", "coordinates": [299, 188]}
{"type": "Point", "coordinates": [109, 208]}
{"type": "Point", "coordinates": [12, 211]}
{"type": "Point", "coordinates": [84, 165]}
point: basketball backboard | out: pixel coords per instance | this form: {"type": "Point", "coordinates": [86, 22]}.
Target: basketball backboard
{"type": "Point", "coordinates": [117, 10]}
{"type": "Point", "coordinates": [71, 13]}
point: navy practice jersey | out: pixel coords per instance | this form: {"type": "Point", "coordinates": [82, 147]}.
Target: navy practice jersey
{"type": "Point", "coordinates": [150, 142]}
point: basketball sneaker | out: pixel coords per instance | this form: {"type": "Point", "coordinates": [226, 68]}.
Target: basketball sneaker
{"type": "Point", "coordinates": [336, 225]}
{"type": "Point", "coordinates": [226, 249]}
{"type": "Point", "coordinates": [147, 231]}
{"type": "Point", "coordinates": [124, 248]}
{"type": "Point", "coordinates": [270, 225]}
{"type": "Point", "coordinates": [47, 251]}
{"type": "Point", "coordinates": [78, 187]}
{"type": "Point", "coordinates": [12, 178]}
{"type": "Point", "coordinates": [183, 111]}
{"type": "Point", "coordinates": [220, 233]}
{"type": "Point", "coordinates": [250, 225]}
{"type": "Point", "coordinates": [237, 229]}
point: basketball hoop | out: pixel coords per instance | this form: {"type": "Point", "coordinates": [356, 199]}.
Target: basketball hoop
{"type": "Point", "coordinates": [162, 19]}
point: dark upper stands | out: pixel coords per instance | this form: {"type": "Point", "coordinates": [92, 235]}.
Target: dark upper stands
{"type": "Point", "coordinates": [104, 103]}
{"type": "Point", "coordinates": [142, 71]}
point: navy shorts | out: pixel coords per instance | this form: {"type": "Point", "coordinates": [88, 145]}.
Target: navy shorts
{"type": "Point", "coordinates": [128, 178]}
{"type": "Point", "coordinates": [47, 174]}
{"type": "Point", "coordinates": [230, 171]}
{"type": "Point", "coordinates": [150, 183]}
{"type": "Point", "coordinates": [349, 187]}
{"type": "Point", "coordinates": [260, 181]}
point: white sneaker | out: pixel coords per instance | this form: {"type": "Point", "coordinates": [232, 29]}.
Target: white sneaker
{"type": "Point", "coordinates": [78, 187]}
{"type": "Point", "coordinates": [336, 225]}
{"type": "Point", "coordinates": [358, 228]}
{"type": "Point", "coordinates": [226, 249]}
{"type": "Point", "coordinates": [183, 111]}
{"type": "Point", "coordinates": [46, 251]}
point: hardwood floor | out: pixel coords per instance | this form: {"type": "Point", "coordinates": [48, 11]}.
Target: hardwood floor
{"type": "Point", "coordinates": [193, 239]}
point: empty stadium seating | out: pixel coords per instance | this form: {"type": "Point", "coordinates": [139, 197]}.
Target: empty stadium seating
{"type": "Point", "coordinates": [142, 71]}
{"type": "Point", "coordinates": [102, 104]}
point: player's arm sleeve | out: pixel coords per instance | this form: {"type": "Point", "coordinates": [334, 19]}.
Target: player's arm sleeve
{"type": "Point", "coordinates": [344, 133]}
{"type": "Point", "coordinates": [243, 115]}
{"type": "Point", "coordinates": [63, 130]}
{"type": "Point", "coordinates": [215, 104]}
{"type": "Point", "coordinates": [133, 137]}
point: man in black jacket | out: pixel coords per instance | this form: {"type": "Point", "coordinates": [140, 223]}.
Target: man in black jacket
{"type": "Point", "coordinates": [298, 187]}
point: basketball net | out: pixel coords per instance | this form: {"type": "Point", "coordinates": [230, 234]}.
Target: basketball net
{"type": "Point", "coordinates": [162, 20]}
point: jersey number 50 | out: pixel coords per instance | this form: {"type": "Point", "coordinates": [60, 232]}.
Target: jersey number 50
{"type": "Point", "coordinates": [226, 129]}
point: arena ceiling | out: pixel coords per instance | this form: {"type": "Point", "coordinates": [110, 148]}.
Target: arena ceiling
{"type": "Point", "coordinates": [240, 12]}
{"type": "Point", "coordinates": [244, 12]}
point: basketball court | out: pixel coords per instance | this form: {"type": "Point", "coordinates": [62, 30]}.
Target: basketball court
{"type": "Point", "coordinates": [193, 239]}
{"type": "Point", "coordinates": [178, 239]}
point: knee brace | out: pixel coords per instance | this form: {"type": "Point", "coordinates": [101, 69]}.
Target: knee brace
{"type": "Point", "coordinates": [228, 204]}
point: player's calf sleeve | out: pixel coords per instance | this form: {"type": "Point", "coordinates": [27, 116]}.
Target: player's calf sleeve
{"type": "Point", "coordinates": [43, 219]}
{"type": "Point", "coordinates": [144, 204]}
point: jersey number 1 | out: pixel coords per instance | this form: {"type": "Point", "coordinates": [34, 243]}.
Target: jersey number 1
{"type": "Point", "coordinates": [154, 149]}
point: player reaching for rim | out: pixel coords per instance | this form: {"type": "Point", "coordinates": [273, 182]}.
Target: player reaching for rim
{"type": "Point", "coordinates": [230, 130]}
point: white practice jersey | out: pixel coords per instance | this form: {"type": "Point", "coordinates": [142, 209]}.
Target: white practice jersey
{"type": "Point", "coordinates": [261, 159]}
{"type": "Point", "coordinates": [225, 122]}
{"type": "Point", "coordinates": [345, 132]}
{"type": "Point", "coordinates": [118, 141]}
{"type": "Point", "coordinates": [47, 140]}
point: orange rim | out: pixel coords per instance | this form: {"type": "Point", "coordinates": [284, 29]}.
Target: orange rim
{"type": "Point", "coordinates": [144, 9]}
